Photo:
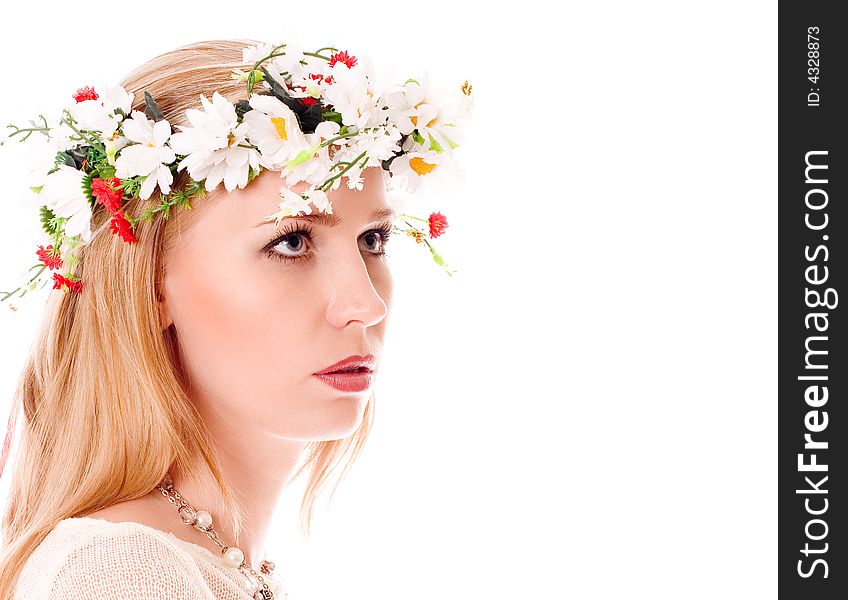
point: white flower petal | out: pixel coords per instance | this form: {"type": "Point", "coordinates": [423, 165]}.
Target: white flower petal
{"type": "Point", "coordinates": [161, 132]}
{"type": "Point", "coordinates": [147, 187]}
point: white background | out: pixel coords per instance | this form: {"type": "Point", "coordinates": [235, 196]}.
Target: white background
{"type": "Point", "coordinates": [587, 408]}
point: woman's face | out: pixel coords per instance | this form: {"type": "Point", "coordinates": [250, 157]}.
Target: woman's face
{"type": "Point", "coordinates": [254, 327]}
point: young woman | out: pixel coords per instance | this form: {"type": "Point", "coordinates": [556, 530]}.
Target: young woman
{"type": "Point", "coordinates": [192, 363]}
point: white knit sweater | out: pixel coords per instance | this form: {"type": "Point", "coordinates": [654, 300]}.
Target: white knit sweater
{"type": "Point", "coordinates": [87, 558]}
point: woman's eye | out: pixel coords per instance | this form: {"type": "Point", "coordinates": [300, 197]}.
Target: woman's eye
{"type": "Point", "coordinates": [290, 247]}
{"type": "Point", "coordinates": [373, 241]}
{"type": "Point", "coordinates": [295, 245]}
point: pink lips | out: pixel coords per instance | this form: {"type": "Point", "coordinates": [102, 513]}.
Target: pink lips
{"type": "Point", "coordinates": [352, 374]}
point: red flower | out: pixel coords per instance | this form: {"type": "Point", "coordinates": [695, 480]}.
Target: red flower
{"type": "Point", "coordinates": [122, 227]}
{"type": "Point", "coordinates": [438, 224]}
{"type": "Point", "coordinates": [319, 77]}
{"type": "Point", "coordinates": [85, 93]}
{"type": "Point", "coordinates": [106, 195]}
{"type": "Point", "coordinates": [343, 57]}
{"type": "Point", "coordinates": [308, 101]}
{"type": "Point", "coordinates": [49, 256]}
{"type": "Point", "coordinates": [59, 280]}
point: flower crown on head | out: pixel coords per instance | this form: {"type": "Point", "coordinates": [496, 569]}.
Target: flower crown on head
{"type": "Point", "coordinates": [318, 118]}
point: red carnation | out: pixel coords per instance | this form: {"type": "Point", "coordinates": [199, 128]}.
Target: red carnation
{"type": "Point", "coordinates": [319, 77]}
{"type": "Point", "coordinates": [438, 224]}
{"type": "Point", "coordinates": [122, 227]}
{"type": "Point", "coordinates": [103, 191]}
{"type": "Point", "coordinates": [85, 93]}
{"type": "Point", "coordinates": [49, 256]}
{"type": "Point", "coordinates": [59, 280]}
{"type": "Point", "coordinates": [343, 57]}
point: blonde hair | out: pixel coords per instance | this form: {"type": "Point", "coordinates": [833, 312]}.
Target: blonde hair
{"type": "Point", "coordinates": [105, 414]}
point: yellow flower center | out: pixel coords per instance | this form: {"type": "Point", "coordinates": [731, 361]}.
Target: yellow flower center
{"type": "Point", "coordinates": [280, 126]}
{"type": "Point", "coordinates": [418, 165]}
{"type": "Point", "coordinates": [414, 119]}
{"type": "Point", "coordinates": [231, 139]}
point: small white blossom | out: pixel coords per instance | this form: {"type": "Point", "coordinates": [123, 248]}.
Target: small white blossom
{"type": "Point", "coordinates": [149, 156]}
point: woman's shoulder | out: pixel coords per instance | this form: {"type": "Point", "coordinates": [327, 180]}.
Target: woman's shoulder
{"type": "Point", "coordinates": [86, 557]}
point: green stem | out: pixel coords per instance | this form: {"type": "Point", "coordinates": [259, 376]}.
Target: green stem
{"type": "Point", "coordinates": [6, 295]}
{"type": "Point", "coordinates": [326, 143]}
{"type": "Point", "coordinates": [413, 217]}
{"type": "Point", "coordinates": [77, 131]}
{"type": "Point", "coordinates": [18, 130]}
{"type": "Point", "coordinates": [329, 182]}
{"type": "Point", "coordinates": [327, 58]}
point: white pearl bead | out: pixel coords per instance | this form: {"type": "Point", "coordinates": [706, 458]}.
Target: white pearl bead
{"type": "Point", "coordinates": [234, 556]}
{"type": "Point", "coordinates": [204, 519]}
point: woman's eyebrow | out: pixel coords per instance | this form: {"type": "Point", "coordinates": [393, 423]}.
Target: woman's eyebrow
{"type": "Point", "coordinates": [331, 220]}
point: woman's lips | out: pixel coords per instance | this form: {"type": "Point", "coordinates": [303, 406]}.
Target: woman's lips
{"type": "Point", "coordinates": [349, 381]}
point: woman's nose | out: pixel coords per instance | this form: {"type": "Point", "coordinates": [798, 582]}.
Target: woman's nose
{"type": "Point", "coordinates": [352, 295]}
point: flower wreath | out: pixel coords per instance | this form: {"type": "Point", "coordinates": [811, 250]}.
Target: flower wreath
{"type": "Point", "coordinates": [319, 118]}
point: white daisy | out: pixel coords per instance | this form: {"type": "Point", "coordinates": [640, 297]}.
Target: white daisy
{"type": "Point", "coordinates": [274, 129]}
{"type": "Point", "coordinates": [287, 63]}
{"type": "Point", "coordinates": [99, 115]}
{"type": "Point", "coordinates": [61, 135]}
{"type": "Point", "coordinates": [412, 108]}
{"type": "Point", "coordinates": [62, 193]}
{"type": "Point", "coordinates": [149, 156]}
{"type": "Point", "coordinates": [253, 53]}
{"type": "Point", "coordinates": [351, 95]}
{"type": "Point", "coordinates": [40, 157]}
{"type": "Point", "coordinates": [215, 148]}
{"type": "Point", "coordinates": [279, 66]}
{"type": "Point", "coordinates": [430, 170]}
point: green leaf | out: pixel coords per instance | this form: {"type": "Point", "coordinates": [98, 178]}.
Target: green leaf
{"type": "Point", "coordinates": [303, 156]}
{"type": "Point", "coordinates": [107, 171]}
{"type": "Point", "coordinates": [436, 257]}
{"type": "Point", "coordinates": [242, 106]}
{"type": "Point", "coordinates": [63, 158]}
{"type": "Point", "coordinates": [152, 109]}
{"type": "Point", "coordinates": [86, 189]}
{"type": "Point", "coordinates": [434, 145]}
{"type": "Point", "coordinates": [47, 222]}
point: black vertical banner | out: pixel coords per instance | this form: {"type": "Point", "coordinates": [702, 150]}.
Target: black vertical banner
{"type": "Point", "coordinates": [812, 232]}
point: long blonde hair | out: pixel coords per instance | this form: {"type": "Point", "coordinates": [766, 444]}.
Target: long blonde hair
{"type": "Point", "coordinates": [105, 414]}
